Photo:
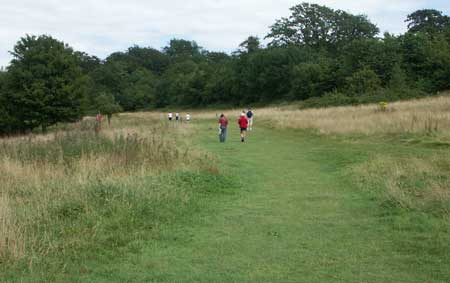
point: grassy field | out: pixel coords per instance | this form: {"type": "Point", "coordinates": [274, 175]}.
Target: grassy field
{"type": "Point", "coordinates": [422, 116]}
{"type": "Point", "coordinates": [300, 201]}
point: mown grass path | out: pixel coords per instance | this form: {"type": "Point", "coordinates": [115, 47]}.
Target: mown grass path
{"type": "Point", "coordinates": [298, 218]}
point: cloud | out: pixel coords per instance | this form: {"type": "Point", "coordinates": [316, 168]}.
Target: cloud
{"type": "Point", "coordinates": [104, 26]}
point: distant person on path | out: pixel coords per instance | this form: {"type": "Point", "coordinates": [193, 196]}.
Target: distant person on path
{"type": "Point", "coordinates": [177, 116]}
{"type": "Point", "coordinates": [243, 124]}
{"type": "Point", "coordinates": [250, 119]}
{"type": "Point", "coordinates": [223, 124]}
{"type": "Point", "coordinates": [188, 117]}
{"type": "Point", "coordinates": [170, 116]}
{"type": "Point", "coordinates": [98, 122]}
{"type": "Point", "coordinates": [99, 118]}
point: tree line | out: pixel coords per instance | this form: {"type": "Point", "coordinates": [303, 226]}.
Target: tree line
{"type": "Point", "coordinates": [317, 55]}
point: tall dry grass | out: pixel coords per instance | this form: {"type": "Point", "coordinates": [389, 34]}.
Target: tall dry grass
{"type": "Point", "coordinates": [47, 178]}
{"type": "Point", "coordinates": [413, 183]}
{"type": "Point", "coordinates": [415, 116]}
{"type": "Point", "coordinates": [12, 243]}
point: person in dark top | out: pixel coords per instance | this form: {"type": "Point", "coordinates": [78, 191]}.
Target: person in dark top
{"type": "Point", "coordinates": [223, 124]}
{"type": "Point", "coordinates": [250, 119]}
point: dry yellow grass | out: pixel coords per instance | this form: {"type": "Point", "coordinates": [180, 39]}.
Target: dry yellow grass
{"type": "Point", "coordinates": [411, 183]}
{"type": "Point", "coordinates": [416, 116]}
{"type": "Point", "coordinates": [12, 243]}
{"type": "Point", "coordinates": [31, 186]}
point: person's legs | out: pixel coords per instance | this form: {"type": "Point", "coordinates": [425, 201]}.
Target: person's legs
{"type": "Point", "coordinates": [243, 135]}
{"type": "Point", "coordinates": [224, 133]}
{"type": "Point", "coordinates": [250, 123]}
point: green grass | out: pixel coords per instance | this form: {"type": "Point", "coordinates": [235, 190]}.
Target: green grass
{"type": "Point", "coordinates": [287, 206]}
{"type": "Point", "coordinates": [301, 218]}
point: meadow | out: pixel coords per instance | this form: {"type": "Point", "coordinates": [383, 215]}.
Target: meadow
{"type": "Point", "coordinates": [73, 192]}
{"type": "Point", "coordinates": [347, 194]}
{"type": "Point", "coordinates": [412, 181]}
{"type": "Point", "coordinates": [422, 116]}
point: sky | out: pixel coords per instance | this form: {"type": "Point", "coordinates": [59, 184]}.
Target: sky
{"type": "Point", "coordinates": [101, 27]}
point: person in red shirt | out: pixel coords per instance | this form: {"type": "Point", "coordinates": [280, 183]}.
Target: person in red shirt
{"type": "Point", "coordinates": [98, 122]}
{"type": "Point", "coordinates": [243, 124]}
{"type": "Point", "coordinates": [223, 124]}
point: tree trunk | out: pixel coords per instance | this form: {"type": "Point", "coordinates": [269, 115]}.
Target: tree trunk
{"type": "Point", "coordinates": [109, 119]}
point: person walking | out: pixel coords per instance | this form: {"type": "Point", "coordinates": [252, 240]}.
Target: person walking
{"type": "Point", "coordinates": [223, 124]}
{"type": "Point", "coordinates": [243, 124]}
{"type": "Point", "coordinates": [170, 116]}
{"type": "Point", "coordinates": [250, 119]}
{"type": "Point", "coordinates": [177, 116]}
{"type": "Point", "coordinates": [188, 117]}
{"type": "Point", "coordinates": [98, 122]}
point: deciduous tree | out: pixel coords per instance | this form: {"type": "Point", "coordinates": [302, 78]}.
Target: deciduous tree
{"type": "Point", "coordinates": [44, 85]}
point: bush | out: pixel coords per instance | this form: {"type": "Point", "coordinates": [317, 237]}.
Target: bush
{"type": "Point", "coordinates": [363, 82]}
{"type": "Point", "coordinates": [309, 80]}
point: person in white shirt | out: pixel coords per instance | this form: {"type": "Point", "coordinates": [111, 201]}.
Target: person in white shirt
{"type": "Point", "coordinates": [170, 116]}
{"type": "Point", "coordinates": [177, 116]}
{"type": "Point", "coordinates": [188, 117]}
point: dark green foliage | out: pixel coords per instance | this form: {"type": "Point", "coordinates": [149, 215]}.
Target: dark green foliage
{"type": "Point", "coordinates": [379, 55]}
{"type": "Point", "coordinates": [310, 80]}
{"type": "Point", "coordinates": [148, 58]}
{"type": "Point", "coordinates": [106, 104]}
{"type": "Point", "coordinates": [320, 26]}
{"type": "Point", "coordinates": [363, 82]}
{"type": "Point", "coordinates": [250, 45]}
{"type": "Point", "coordinates": [265, 75]}
{"type": "Point", "coordinates": [43, 85]}
{"type": "Point", "coordinates": [398, 79]}
{"type": "Point", "coordinates": [180, 49]}
{"type": "Point", "coordinates": [428, 21]}
{"type": "Point", "coordinates": [5, 119]}
{"type": "Point", "coordinates": [427, 60]}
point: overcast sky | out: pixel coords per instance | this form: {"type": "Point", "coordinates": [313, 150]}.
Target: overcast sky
{"type": "Point", "coordinates": [101, 27]}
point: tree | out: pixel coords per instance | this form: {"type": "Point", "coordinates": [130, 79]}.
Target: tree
{"type": "Point", "coordinates": [217, 57]}
{"type": "Point", "coordinates": [427, 61]}
{"type": "Point", "coordinates": [319, 26]}
{"type": "Point", "coordinates": [251, 44]}
{"type": "Point", "coordinates": [310, 80]}
{"type": "Point", "coordinates": [180, 49]}
{"type": "Point", "coordinates": [265, 75]}
{"type": "Point", "coordinates": [148, 58]}
{"type": "Point", "coordinates": [87, 63]}
{"type": "Point", "coordinates": [5, 119]}
{"type": "Point", "coordinates": [180, 84]}
{"type": "Point", "coordinates": [113, 77]}
{"type": "Point", "coordinates": [398, 81]}
{"type": "Point", "coordinates": [44, 85]}
{"type": "Point", "coordinates": [142, 92]}
{"type": "Point", "coordinates": [380, 55]}
{"type": "Point", "coordinates": [106, 104]}
{"type": "Point", "coordinates": [362, 82]}
{"type": "Point", "coordinates": [428, 21]}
